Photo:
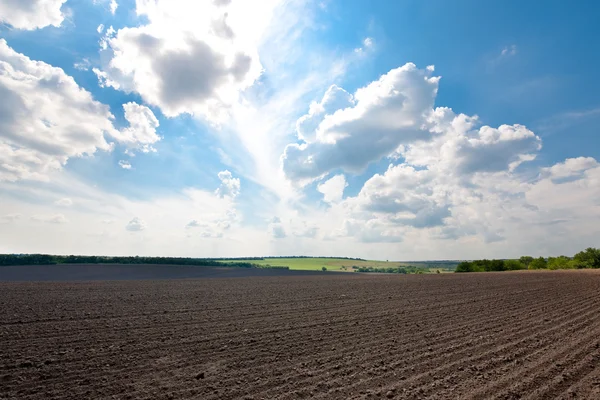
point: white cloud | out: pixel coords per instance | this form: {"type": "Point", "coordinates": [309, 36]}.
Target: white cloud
{"type": "Point", "coordinates": [31, 14]}
{"type": "Point", "coordinates": [50, 219]}
{"type": "Point", "coordinates": [570, 169]}
{"type": "Point", "coordinates": [490, 149]}
{"type": "Point", "coordinates": [108, 35]}
{"type": "Point", "coordinates": [405, 196]}
{"type": "Point", "coordinates": [45, 118]}
{"type": "Point", "coordinates": [190, 57]}
{"type": "Point", "coordinates": [277, 231]}
{"type": "Point", "coordinates": [230, 186]}
{"type": "Point", "coordinates": [141, 133]}
{"type": "Point", "coordinates": [64, 202]}
{"type": "Point", "coordinates": [136, 225]}
{"type": "Point", "coordinates": [333, 189]}
{"type": "Point", "coordinates": [100, 28]}
{"type": "Point", "coordinates": [509, 51]}
{"type": "Point", "coordinates": [307, 231]}
{"type": "Point", "coordinates": [214, 225]}
{"type": "Point", "coordinates": [112, 5]}
{"type": "Point", "coordinates": [124, 164]}
{"type": "Point", "coordinates": [569, 188]}
{"type": "Point", "coordinates": [387, 113]}
{"type": "Point", "coordinates": [456, 179]}
{"type": "Point", "coordinates": [367, 44]}
{"type": "Point", "coordinates": [335, 98]}
{"type": "Point", "coordinates": [8, 218]}
{"type": "Point", "coordinates": [193, 224]}
{"type": "Point", "coordinates": [83, 65]}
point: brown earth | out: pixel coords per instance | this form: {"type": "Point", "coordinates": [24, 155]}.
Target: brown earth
{"type": "Point", "coordinates": [347, 336]}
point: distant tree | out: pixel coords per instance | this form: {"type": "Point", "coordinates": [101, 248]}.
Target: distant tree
{"type": "Point", "coordinates": [496, 265]}
{"type": "Point", "coordinates": [538, 263]}
{"type": "Point", "coordinates": [589, 258]}
{"type": "Point", "coordinates": [513, 265]}
{"type": "Point", "coordinates": [560, 262]}
{"type": "Point", "coordinates": [526, 260]}
{"type": "Point", "coordinates": [465, 266]}
{"type": "Point", "coordinates": [324, 269]}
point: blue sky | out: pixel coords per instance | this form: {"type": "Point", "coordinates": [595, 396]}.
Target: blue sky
{"type": "Point", "coordinates": [388, 130]}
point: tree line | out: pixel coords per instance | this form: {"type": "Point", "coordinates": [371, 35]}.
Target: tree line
{"type": "Point", "coordinates": [588, 258]}
{"type": "Point", "coordinates": [48, 259]}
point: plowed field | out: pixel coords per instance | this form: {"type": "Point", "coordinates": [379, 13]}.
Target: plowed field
{"type": "Point", "coordinates": [332, 336]}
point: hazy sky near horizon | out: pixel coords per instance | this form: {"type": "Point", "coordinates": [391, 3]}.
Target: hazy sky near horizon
{"type": "Point", "coordinates": [405, 130]}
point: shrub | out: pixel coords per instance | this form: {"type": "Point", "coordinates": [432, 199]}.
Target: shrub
{"type": "Point", "coordinates": [589, 258]}
{"type": "Point", "coordinates": [538, 263]}
{"type": "Point", "coordinates": [561, 262]}
{"type": "Point", "coordinates": [513, 265]}
{"type": "Point", "coordinates": [526, 260]}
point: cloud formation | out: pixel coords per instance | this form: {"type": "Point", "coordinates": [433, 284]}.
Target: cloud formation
{"type": "Point", "coordinates": [188, 58]}
{"type": "Point", "coordinates": [45, 118]}
{"type": "Point", "coordinates": [386, 114]}
{"type": "Point", "coordinates": [31, 14]}
{"type": "Point", "coordinates": [141, 132]}
{"type": "Point", "coordinates": [230, 186]}
{"type": "Point", "coordinates": [135, 225]}
{"type": "Point", "coordinates": [333, 189]}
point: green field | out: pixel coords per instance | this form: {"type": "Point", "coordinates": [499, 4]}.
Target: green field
{"type": "Point", "coordinates": [336, 264]}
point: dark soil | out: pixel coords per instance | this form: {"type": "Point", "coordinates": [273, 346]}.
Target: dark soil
{"type": "Point", "coordinates": [104, 272]}
{"type": "Point", "coordinates": [332, 336]}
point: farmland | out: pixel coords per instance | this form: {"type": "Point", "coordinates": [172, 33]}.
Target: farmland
{"type": "Point", "coordinates": [290, 335]}
{"type": "Point", "coordinates": [338, 264]}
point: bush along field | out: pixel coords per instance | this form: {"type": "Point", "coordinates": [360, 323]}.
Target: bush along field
{"type": "Point", "coordinates": [588, 258]}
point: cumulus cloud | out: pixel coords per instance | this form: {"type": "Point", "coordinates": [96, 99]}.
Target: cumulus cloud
{"type": "Point", "coordinates": [45, 118]}
{"type": "Point", "coordinates": [277, 231]}
{"type": "Point", "coordinates": [307, 231]}
{"type": "Point", "coordinates": [112, 5]}
{"type": "Point", "coordinates": [406, 196]}
{"type": "Point", "coordinates": [124, 164]}
{"type": "Point", "coordinates": [83, 65]}
{"type": "Point", "coordinates": [141, 133]}
{"type": "Point", "coordinates": [64, 202]}
{"type": "Point", "coordinates": [455, 178]}
{"type": "Point", "coordinates": [387, 113]}
{"type": "Point", "coordinates": [214, 225]}
{"type": "Point", "coordinates": [230, 186]}
{"type": "Point", "coordinates": [367, 44]}
{"type": "Point", "coordinates": [136, 225]}
{"type": "Point", "coordinates": [333, 189]}
{"type": "Point", "coordinates": [193, 224]}
{"type": "Point", "coordinates": [50, 219]}
{"type": "Point", "coordinates": [509, 51]}
{"type": "Point", "coordinates": [395, 115]}
{"type": "Point", "coordinates": [570, 169]}
{"type": "Point", "coordinates": [31, 14]}
{"type": "Point", "coordinates": [494, 149]}
{"type": "Point", "coordinates": [335, 98]}
{"type": "Point", "coordinates": [189, 57]}
{"type": "Point", "coordinates": [8, 218]}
